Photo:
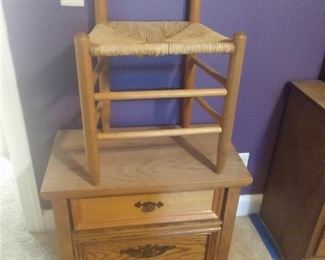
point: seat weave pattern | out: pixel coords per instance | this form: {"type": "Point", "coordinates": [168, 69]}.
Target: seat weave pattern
{"type": "Point", "coordinates": [156, 39]}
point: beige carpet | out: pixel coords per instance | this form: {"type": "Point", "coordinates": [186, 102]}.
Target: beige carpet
{"type": "Point", "coordinates": [16, 243]}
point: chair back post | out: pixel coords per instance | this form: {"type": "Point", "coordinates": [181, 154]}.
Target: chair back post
{"type": "Point", "coordinates": [194, 15]}
{"type": "Point", "coordinates": [101, 14]}
{"type": "Point", "coordinates": [195, 11]}
{"type": "Point", "coordinates": [230, 101]}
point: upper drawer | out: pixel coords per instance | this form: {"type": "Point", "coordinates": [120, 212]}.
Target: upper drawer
{"type": "Point", "coordinates": [141, 209]}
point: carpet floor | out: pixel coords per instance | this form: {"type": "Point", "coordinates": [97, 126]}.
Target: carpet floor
{"type": "Point", "coordinates": [17, 243]}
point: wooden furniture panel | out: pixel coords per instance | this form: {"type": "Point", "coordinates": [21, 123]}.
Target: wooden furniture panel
{"type": "Point", "coordinates": [140, 166]}
{"type": "Point", "coordinates": [63, 227]}
{"type": "Point", "coordinates": [294, 195]}
{"type": "Point", "coordinates": [192, 247]}
{"type": "Point", "coordinates": [188, 228]}
{"type": "Point", "coordinates": [230, 203]}
{"type": "Point", "coordinates": [141, 209]}
{"type": "Point", "coordinates": [169, 168]}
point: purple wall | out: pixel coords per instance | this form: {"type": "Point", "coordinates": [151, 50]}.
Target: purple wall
{"type": "Point", "coordinates": [286, 42]}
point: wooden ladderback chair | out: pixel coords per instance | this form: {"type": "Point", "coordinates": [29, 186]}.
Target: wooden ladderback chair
{"type": "Point", "coordinates": [112, 38]}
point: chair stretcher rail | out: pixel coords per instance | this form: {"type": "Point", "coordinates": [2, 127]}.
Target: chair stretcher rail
{"type": "Point", "coordinates": [98, 69]}
{"type": "Point", "coordinates": [160, 94]}
{"type": "Point", "coordinates": [213, 73]}
{"type": "Point", "coordinates": [209, 109]}
{"type": "Point", "coordinates": [99, 108]}
{"type": "Point", "coordinates": [160, 133]}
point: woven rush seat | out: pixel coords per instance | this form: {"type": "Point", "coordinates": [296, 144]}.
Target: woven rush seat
{"type": "Point", "coordinates": [156, 39]}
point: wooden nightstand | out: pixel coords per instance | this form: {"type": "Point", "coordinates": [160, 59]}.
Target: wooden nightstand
{"type": "Point", "coordinates": [158, 198]}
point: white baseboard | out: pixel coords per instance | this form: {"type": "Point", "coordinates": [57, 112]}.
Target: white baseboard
{"type": "Point", "coordinates": [244, 157]}
{"type": "Point", "coordinates": [48, 220]}
{"type": "Point", "coordinates": [248, 204]}
{"type": "Point", "coordinates": [79, 3]}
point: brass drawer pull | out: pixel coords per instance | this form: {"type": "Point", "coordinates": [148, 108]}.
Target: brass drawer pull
{"type": "Point", "coordinates": [148, 206]}
{"type": "Point", "coordinates": [146, 251]}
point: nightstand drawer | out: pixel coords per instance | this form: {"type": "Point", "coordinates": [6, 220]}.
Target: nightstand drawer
{"type": "Point", "coordinates": [116, 211]}
{"type": "Point", "coordinates": [187, 247]}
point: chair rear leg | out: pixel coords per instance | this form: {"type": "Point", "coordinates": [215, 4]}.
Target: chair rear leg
{"type": "Point", "coordinates": [87, 104]}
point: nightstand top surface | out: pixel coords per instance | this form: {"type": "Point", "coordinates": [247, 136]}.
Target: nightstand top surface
{"type": "Point", "coordinates": [139, 166]}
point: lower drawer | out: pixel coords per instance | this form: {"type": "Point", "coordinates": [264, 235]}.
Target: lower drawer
{"type": "Point", "coordinates": [183, 247]}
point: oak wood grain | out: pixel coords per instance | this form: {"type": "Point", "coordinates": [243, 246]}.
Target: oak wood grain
{"type": "Point", "coordinates": [193, 227]}
{"type": "Point", "coordinates": [213, 238]}
{"type": "Point", "coordinates": [228, 215]}
{"type": "Point", "coordinates": [146, 166]}
{"type": "Point", "coordinates": [192, 247]}
{"type": "Point", "coordinates": [63, 228]}
{"type": "Point", "coordinates": [127, 210]}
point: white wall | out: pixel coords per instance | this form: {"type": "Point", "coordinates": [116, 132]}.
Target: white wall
{"type": "Point", "coordinates": [14, 131]}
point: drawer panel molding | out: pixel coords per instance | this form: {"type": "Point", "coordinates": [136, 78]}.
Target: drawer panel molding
{"type": "Point", "coordinates": [106, 212]}
{"type": "Point", "coordinates": [182, 248]}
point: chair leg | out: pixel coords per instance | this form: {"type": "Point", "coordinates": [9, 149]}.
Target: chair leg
{"type": "Point", "coordinates": [230, 101]}
{"type": "Point", "coordinates": [104, 86]}
{"type": "Point", "coordinates": [189, 83]}
{"type": "Point", "coordinates": [87, 103]}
